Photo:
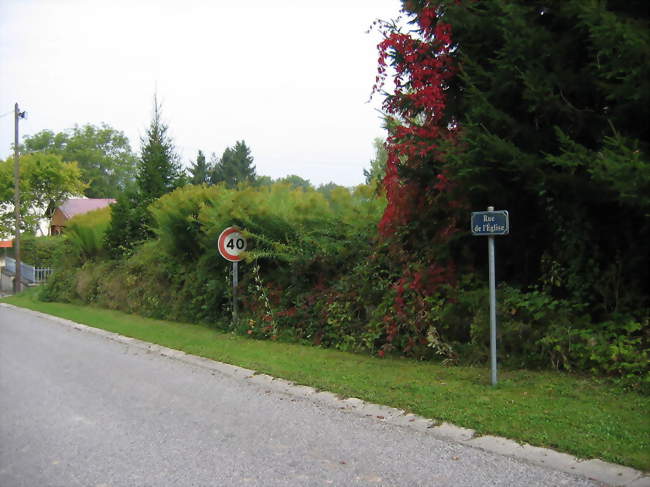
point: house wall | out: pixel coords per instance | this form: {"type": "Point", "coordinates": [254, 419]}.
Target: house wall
{"type": "Point", "coordinates": [58, 218]}
{"type": "Point", "coordinates": [42, 229]}
{"type": "Point", "coordinates": [58, 222]}
{"type": "Point", "coordinates": [6, 282]}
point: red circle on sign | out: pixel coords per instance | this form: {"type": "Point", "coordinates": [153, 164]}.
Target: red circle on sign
{"type": "Point", "coordinates": [223, 238]}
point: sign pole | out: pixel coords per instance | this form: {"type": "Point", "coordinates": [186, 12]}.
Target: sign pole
{"type": "Point", "coordinates": [235, 284]}
{"type": "Point", "coordinates": [488, 224]}
{"type": "Point", "coordinates": [231, 245]}
{"type": "Point", "coordinates": [493, 308]}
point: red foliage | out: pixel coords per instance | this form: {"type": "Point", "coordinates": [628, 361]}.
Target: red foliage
{"type": "Point", "coordinates": [422, 66]}
{"type": "Point", "coordinates": [410, 303]}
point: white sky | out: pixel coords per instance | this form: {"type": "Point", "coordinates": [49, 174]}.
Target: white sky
{"type": "Point", "coordinates": [290, 77]}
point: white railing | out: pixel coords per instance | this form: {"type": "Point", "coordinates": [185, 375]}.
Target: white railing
{"type": "Point", "coordinates": [36, 275]}
{"type": "Point", "coordinates": [41, 274]}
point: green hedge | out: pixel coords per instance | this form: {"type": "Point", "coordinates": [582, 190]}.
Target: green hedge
{"type": "Point", "coordinates": [315, 273]}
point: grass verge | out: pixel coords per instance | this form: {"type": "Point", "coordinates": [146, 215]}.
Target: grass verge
{"type": "Point", "coordinates": [583, 416]}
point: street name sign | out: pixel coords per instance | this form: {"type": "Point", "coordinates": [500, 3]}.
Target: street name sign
{"type": "Point", "coordinates": [489, 223]}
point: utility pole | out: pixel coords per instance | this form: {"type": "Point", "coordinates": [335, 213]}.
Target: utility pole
{"type": "Point", "coordinates": [18, 277]}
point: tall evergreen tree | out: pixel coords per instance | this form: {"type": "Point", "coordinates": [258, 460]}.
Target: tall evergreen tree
{"type": "Point", "coordinates": [234, 167]}
{"type": "Point", "coordinates": [158, 173]}
{"type": "Point", "coordinates": [158, 169]}
{"type": "Point", "coordinates": [199, 171]}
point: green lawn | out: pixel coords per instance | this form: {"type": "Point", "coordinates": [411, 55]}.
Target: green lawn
{"type": "Point", "coordinates": [577, 415]}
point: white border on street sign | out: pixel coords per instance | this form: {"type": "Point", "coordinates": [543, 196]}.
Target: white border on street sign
{"type": "Point", "coordinates": [231, 244]}
{"type": "Point", "coordinates": [487, 226]}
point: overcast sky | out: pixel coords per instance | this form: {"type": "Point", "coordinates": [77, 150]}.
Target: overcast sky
{"type": "Point", "coordinates": [290, 77]}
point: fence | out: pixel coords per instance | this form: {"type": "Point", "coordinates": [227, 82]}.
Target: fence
{"type": "Point", "coordinates": [31, 274]}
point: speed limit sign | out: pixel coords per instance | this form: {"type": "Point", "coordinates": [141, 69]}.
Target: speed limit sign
{"type": "Point", "coordinates": [231, 244]}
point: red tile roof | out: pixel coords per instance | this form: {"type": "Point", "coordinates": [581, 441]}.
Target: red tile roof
{"type": "Point", "coordinates": [77, 206]}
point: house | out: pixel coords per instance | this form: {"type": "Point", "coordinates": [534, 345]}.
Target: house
{"type": "Point", "coordinates": [73, 207]}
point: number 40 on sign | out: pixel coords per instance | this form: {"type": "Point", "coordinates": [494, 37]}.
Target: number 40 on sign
{"type": "Point", "coordinates": [232, 244]}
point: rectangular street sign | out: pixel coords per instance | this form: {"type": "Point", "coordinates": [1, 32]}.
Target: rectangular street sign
{"type": "Point", "coordinates": [487, 223]}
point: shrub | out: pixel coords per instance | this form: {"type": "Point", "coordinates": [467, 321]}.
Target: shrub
{"type": "Point", "coordinates": [39, 251]}
{"type": "Point", "coordinates": [86, 232]}
{"type": "Point", "coordinates": [617, 348]}
{"type": "Point", "coordinates": [61, 285]}
{"type": "Point", "coordinates": [176, 220]}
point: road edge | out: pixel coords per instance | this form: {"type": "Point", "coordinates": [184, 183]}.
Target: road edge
{"type": "Point", "coordinates": [593, 469]}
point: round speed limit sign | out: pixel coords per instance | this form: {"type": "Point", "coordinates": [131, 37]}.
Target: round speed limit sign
{"type": "Point", "coordinates": [232, 244]}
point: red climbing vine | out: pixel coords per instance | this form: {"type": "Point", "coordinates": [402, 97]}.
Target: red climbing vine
{"type": "Point", "coordinates": [420, 64]}
{"type": "Point", "coordinates": [420, 194]}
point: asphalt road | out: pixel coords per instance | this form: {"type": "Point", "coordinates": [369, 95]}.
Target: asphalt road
{"type": "Point", "coordinates": [77, 409]}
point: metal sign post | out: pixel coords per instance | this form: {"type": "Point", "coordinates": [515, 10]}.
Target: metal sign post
{"type": "Point", "coordinates": [235, 284]}
{"type": "Point", "coordinates": [231, 245]}
{"type": "Point", "coordinates": [490, 223]}
{"type": "Point", "coordinates": [493, 312]}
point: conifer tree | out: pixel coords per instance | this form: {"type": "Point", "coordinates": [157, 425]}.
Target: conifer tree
{"type": "Point", "coordinates": [158, 169]}
{"type": "Point", "coordinates": [199, 172]}
{"type": "Point", "coordinates": [234, 167]}
{"type": "Point", "coordinates": [158, 173]}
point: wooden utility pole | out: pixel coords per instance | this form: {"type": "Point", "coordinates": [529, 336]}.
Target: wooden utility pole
{"type": "Point", "coordinates": [18, 276]}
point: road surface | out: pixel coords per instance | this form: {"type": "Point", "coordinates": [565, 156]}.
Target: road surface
{"type": "Point", "coordinates": [78, 409]}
